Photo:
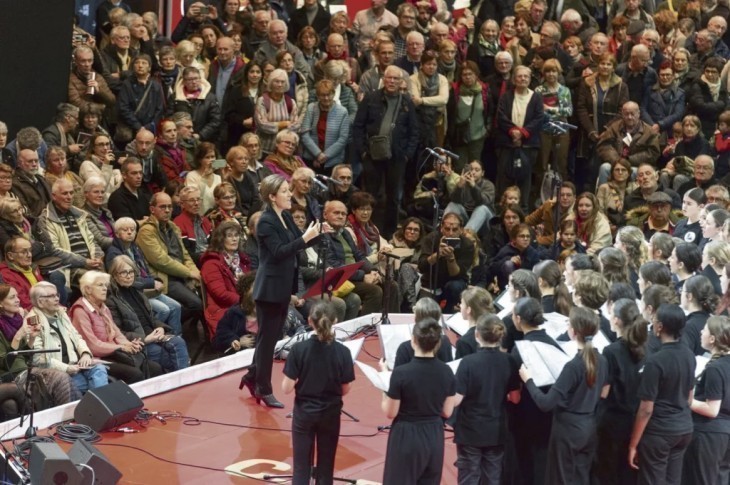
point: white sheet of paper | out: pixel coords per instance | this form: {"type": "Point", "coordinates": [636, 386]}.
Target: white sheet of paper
{"type": "Point", "coordinates": [354, 346]}
{"type": "Point", "coordinates": [457, 323]}
{"type": "Point", "coordinates": [701, 364]}
{"type": "Point", "coordinates": [555, 324]}
{"type": "Point", "coordinates": [544, 361]}
{"type": "Point", "coordinates": [391, 336]}
{"type": "Point", "coordinates": [454, 364]}
{"type": "Point", "coordinates": [600, 342]}
{"type": "Point", "coordinates": [381, 380]}
{"type": "Point", "coordinates": [505, 301]}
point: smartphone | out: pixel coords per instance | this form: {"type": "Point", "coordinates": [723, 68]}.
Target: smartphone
{"type": "Point", "coordinates": [219, 163]}
{"type": "Point", "coordinates": [34, 320]}
{"type": "Point", "coordinates": [454, 242]}
{"type": "Point", "coordinates": [204, 10]}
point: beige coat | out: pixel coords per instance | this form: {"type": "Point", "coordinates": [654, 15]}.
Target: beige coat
{"type": "Point", "coordinates": [49, 339]}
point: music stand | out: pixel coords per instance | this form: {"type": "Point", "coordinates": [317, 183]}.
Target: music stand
{"type": "Point", "coordinates": [332, 280]}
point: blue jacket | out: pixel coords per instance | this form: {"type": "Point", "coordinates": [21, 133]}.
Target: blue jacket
{"type": "Point", "coordinates": [336, 135]}
{"type": "Point", "coordinates": [663, 108]}
{"type": "Point", "coordinates": [367, 123]}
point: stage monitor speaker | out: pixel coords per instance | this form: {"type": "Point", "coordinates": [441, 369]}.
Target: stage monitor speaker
{"type": "Point", "coordinates": [108, 406]}
{"type": "Point", "coordinates": [49, 464]}
{"type": "Point", "coordinates": [84, 453]}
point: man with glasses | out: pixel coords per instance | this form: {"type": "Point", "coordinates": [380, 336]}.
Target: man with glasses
{"type": "Point", "coordinates": [163, 248]}
{"type": "Point", "coordinates": [704, 175]}
{"type": "Point", "coordinates": [131, 199]}
{"type": "Point", "coordinates": [446, 257]}
{"type": "Point", "coordinates": [117, 57]}
{"type": "Point", "coordinates": [61, 132]}
{"type": "Point", "coordinates": [17, 270]}
{"type": "Point", "coordinates": [406, 24]}
{"type": "Point", "coordinates": [56, 332]}
{"type": "Point", "coordinates": [29, 187]}
{"type": "Point", "coordinates": [195, 230]}
{"type": "Point", "coordinates": [410, 62]}
{"type": "Point", "coordinates": [638, 75]}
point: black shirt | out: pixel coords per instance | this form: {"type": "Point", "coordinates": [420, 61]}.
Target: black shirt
{"type": "Point", "coordinates": [690, 232]}
{"type": "Point", "coordinates": [692, 329]}
{"type": "Point", "coordinates": [422, 386]}
{"type": "Point", "coordinates": [320, 370]}
{"type": "Point", "coordinates": [467, 344]}
{"type": "Point", "coordinates": [623, 376]}
{"type": "Point", "coordinates": [713, 385]}
{"type": "Point", "coordinates": [666, 379]}
{"type": "Point", "coordinates": [511, 334]}
{"type": "Point", "coordinates": [481, 420]}
{"type": "Point", "coordinates": [405, 352]}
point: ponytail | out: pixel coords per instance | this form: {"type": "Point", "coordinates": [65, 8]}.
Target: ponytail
{"type": "Point", "coordinates": [490, 329]}
{"type": "Point", "coordinates": [635, 327]}
{"type": "Point", "coordinates": [585, 325]}
{"type": "Point", "coordinates": [321, 318]}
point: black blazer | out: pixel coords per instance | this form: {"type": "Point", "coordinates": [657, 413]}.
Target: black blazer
{"type": "Point", "coordinates": [276, 277]}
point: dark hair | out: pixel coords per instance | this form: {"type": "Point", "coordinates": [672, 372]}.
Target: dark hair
{"type": "Point", "coordinates": [244, 84]}
{"type": "Point", "coordinates": [725, 300]}
{"type": "Point", "coordinates": [585, 324]}
{"type": "Point", "coordinates": [361, 199]}
{"type": "Point", "coordinates": [697, 194]}
{"type": "Point", "coordinates": [490, 329]}
{"type": "Point", "coordinates": [672, 319]}
{"type": "Point", "coordinates": [719, 215]}
{"type": "Point", "coordinates": [621, 290]}
{"type": "Point", "coordinates": [321, 317]}
{"type": "Point", "coordinates": [428, 56]}
{"type": "Point", "coordinates": [525, 282]}
{"type": "Point", "coordinates": [584, 261]}
{"type": "Point", "coordinates": [4, 290]}
{"type": "Point", "coordinates": [656, 273]}
{"type": "Point", "coordinates": [635, 326]}
{"type": "Point", "coordinates": [401, 232]}
{"type": "Point", "coordinates": [308, 30]}
{"type": "Point", "coordinates": [201, 151]}
{"type": "Point", "coordinates": [655, 295]}
{"type": "Point", "coordinates": [427, 333]}
{"type": "Point", "coordinates": [530, 311]}
{"type": "Point", "coordinates": [517, 228]}
{"type": "Point", "coordinates": [243, 286]}
{"type": "Point", "coordinates": [471, 66]}
{"type": "Point", "coordinates": [702, 291]}
{"type": "Point", "coordinates": [689, 255]}
{"type": "Point", "coordinates": [218, 236]}
{"type": "Point", "coordinates": [513, 208]}
{"type": "Point", "coordinates": [551, 274]}
{"type": "Point", "coordinates": [714, 62]}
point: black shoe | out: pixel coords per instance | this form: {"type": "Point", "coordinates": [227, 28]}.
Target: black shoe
{"type": "Point", "coordinates": [249, 383]}
{"type": "Point", "coordinates": [269, 400]}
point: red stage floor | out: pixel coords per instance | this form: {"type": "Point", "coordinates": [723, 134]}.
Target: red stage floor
{"type": "Point", "coordinates": [258, 433]}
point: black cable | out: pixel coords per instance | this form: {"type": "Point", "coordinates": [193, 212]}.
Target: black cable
{"type": "Point", "coordinates": [22, 449]}
{"type": "Point", "coordinates": [71, 433]}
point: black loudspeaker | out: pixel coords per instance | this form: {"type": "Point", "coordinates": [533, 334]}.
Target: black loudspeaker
{"type": "Point", "coordinates": [108, 406]}
{"type": "Point", "coordinates": [49, 464]}
{"type": "Point", "coordinates": [98, 465]}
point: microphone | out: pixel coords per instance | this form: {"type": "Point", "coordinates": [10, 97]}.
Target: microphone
{"type": "Point", "coordinates": [392, 256]}
{"type": "Point", "coordinates": [450, 153]}
{"type": "Point", "coordinates": [328, 179]}
{"type": "Point", "coordinates": [440, 158]}
{"type": "Point", "coordinates": [31, 352]}
{"type": "Point", "coordinates": [319, 184]}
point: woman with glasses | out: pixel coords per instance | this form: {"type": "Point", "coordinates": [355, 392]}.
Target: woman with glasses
{"type": "Point", "coordinates": [221, 267]}
{"type": "Point", "coordinates": [364, 232]}
{"type": "Point", "coordinates": [93, 320]}
{"type": "Point", "coordinates": [203, 176]}
{"type": "Point", "coordinates": [283, 161]}
{"type": "Point", "coordinates": [302, 194]}
{"type": "Point", "coordinates": [100, 161]}
{"type": "Point", "coordinates": [195, 96]}
{"type": "Point", "coordinates": [707, 97]}
{"type": "Point", "coordinates": [276, 111]}
{"type": "Point", "coordinates": [226, 202]}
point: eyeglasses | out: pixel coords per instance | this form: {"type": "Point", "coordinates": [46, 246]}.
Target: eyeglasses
{"type": "Point", "coordinates": [125, 272]}
{"type": "Point", "coordinates": [24, 252]}
{"type": "Point", "coordinates": [193, 201]}
{"type": "Point", "coordinates": [53, 296]}
{"type": "Point", "coordinates": [226, 197]}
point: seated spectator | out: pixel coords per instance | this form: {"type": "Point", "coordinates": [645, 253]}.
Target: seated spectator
{"type": "Point", "coordinates": [500, 226]}
{"type": "Point", "coordinates": [165, 308]}
{"type": "Point", "coordinates": [226, 208]}
{"type": "Point", "coordinates": [221, 266]}
{"type": "Point", "coordinates": [186, 134]}
{"type": "Point", "coordinates": [172, 155]}
{"type": "Point", "coordinates": [567, 243]}
{"type": "Point", "coordinates": [594, 231]}
{"type": "Point", "coordinates": [169, 260]}
{"type": "Point", "coordinates": [18, 335]}
{"type": "Point", "coordinates": [56, 332]}
{"type": "Point", "coordinates": [28, 138]}
{"type": "Point", "coordinates": [692, 144]}
{"type": "Point", "coordinates": [238, 327]}
{"type": "Point", "coordinates": [341, 187]}
{"type": "Point", "coordinates": [721, 143]}
{"type": "Point", "coordinates": [664, 105]}
{"type": "Point", "coordinates": [642, 146]}
{"type": "Point", "coordinates": [6, 181]}
{"type": "Point", "coordinates": [647, 181]}
{"type": "Point", "coordinates": [102, 221]}
{"type": "Point", "coordinates": [61, 132]}
{"type": "Point", "coordinates": [90, 119]}
{"type": "Point", "coordinates": [707, 98]}
{"type": "Point", "coordinates": [658, 218]}
{"type": "Point", "coordinates": [195, 97]}
{"type": "Point", "coordinates": [473, 197]}
{"type": "Point", "coordinates": [130, 308]}
{"type": "Point", "coordinates": [99, 162]}
{"type": "Point", "coordinates": [57, 167]}
{"type": "Point", "coordinates": [69, 230]}
{"type": "Point", "coordinates": [140, 102]}
{"type": "Point", "coordinates": [131, 199]}
{"type": "Point", "coordinates": [275, 111]}
{"type": "Point", "coordinates": [719, 195]}
{"type": "Point", "coordinates": [194, 228]}
{"type": "Point", "coordinates": [323, 149]}
{"type": "Point", "coordinates": [247, 193]}
{"type": "Point", "coordinates": [434, 187]}
{"type": "Point", "coordinates": [704, 175]}
{"type": "Point", "coordinates": [364, 232]}
{"type": "Point", "coordinates": [93, 320]}
{"type": "Point", "coordinates": [444, 262]}
{"type": "Point", "coordinates": [86, 87]}
{"type": "Point", "coordinates": [143, 149]}
{"type": "Point", "coordinates": [518, 254]}
{"type": "Point", "coordinates": [282, 160]}
{"type": "Point", "coordinates": [203, 176]}
{"type": "Point", "coordinates": [542, 219]}
{"type": "Point", "coordinates": [611, 195]}
{"type": "Point", "coordinates": [32, 189]}
{"type": "Point", "coordinates": [13, 223]}
{"type": "Point", "coordinates": [302, 181]}
{"type": "Point", "coordinates": [18, 270]}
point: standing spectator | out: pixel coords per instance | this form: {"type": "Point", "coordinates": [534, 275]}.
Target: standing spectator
{"type": "Point", "coordinates": [239, 107]}
{"type": "Point", "coordinates": [707, 98]}
{"type": "Point", "coordinates": [276, 42]}
{"type": "Point", "coordinates": [325, 148]}
{"type": "Point", "coordinates": [558, 107]}
{"type": "Point", "coordinates": [367, 22]}
{"type": "Point", "coordinates": [172, 155]}
{"type": "Point", "coordinates": [195, 96]}
{"type": "Point", "coordinates": [86, 86]}
{"type": "Point", "coordinates": [275, 110]}
{"type": "Point", "coordinates": [57, 167]}
{"type": "Point", "coordinates": [140, 101]}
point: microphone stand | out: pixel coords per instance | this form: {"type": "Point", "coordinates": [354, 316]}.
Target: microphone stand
{"type": "Point", "coordinates": [27, 400]}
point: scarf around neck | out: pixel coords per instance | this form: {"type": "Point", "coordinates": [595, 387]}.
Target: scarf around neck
{"type": "Point", "coordinates": [714, 87]}
{"type": "Point", "coordinates": [10, 324]}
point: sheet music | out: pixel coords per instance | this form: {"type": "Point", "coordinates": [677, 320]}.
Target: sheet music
{"type": "Point", "coordinates": [544, 361]}
{"type": "Point", "coordinates": [702, 361]}
{"type": "Point", "coordinates": [454, 364]}
{"type": "Point", "coordinates": [600, 342]}
{"type": "Point", "coordinates": [555, 324]}
{"type": "Point", "coordinates": [457, 323]}
{"type": "Point", "coordinates": [391, 336]}
{"type": "Point", "coordinates": [354, 346]}
{"type": "Point", "coordinates": [505, 301]}
{"type": "Point", "coordinates": [381, 380]}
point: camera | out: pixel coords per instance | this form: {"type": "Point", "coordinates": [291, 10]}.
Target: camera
{"type": "Point", "coordinates": [204, 10]}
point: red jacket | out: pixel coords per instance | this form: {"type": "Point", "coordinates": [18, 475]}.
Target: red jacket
{"type": "Point", "coordinates": [17, 280]}
{"type": "Point", "coordinates": [220, 286]}
{"type": "Point", "coordinates": [187, 228]}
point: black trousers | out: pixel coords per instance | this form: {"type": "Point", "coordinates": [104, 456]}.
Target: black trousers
{"type": "Point", "coordinates": [661, 457]}
{"type": "Point", "coordinates": [415, 453]}
{"type": "Point", "coordinates": [707, 459]}
{"type": "Point", "coordinates": [306, 429]}
{"type": "Point", "coordinates": [611, 463]}
{"type": "Point", "coordinates": [392, 171]}
{"type": "Point", "coordinates": [271, 317]}
{"type": "Point", "coordinates": [571, 449]}
{"type": "Point", "coordinates": [192, 305]}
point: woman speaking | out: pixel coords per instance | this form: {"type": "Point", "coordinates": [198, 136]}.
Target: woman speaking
{"type": "Point", "coordinates": [279, 241]}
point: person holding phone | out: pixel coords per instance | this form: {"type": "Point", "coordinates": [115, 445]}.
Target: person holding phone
{"type": "Point", "coordinates": [444, 262]}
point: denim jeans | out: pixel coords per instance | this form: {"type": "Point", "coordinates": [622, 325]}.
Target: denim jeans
{"type": "Point", "coordinates": [168, 311]}
{"type": "Point", "coordinates": [479, 215]}
{"type": "Point", "coordinates": [171, 355]}
{"type": "Point", "coordinates": [90, 378]}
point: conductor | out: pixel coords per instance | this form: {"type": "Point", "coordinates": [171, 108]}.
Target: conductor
{"type": "Point", "coordinates": [279, 241]}
{"type": "Point", "coordinates": [320, 370]}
